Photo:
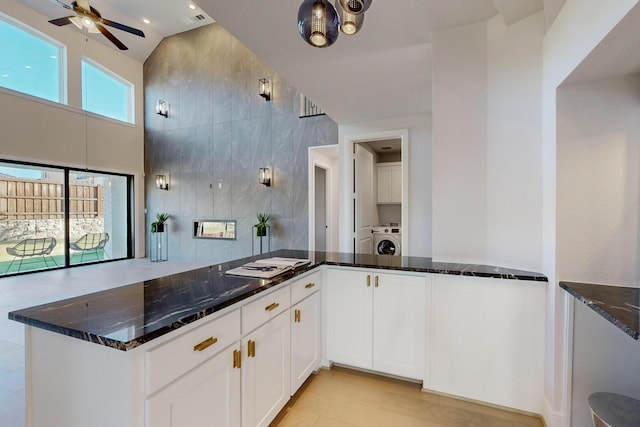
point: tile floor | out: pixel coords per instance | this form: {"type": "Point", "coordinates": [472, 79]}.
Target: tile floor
{"type": "Point", "coordinates": [39, 288]}
{"type": "Point", "coordinates": [345, 398]}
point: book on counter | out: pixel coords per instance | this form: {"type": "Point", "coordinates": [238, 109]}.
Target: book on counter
{"type": "Point", "coordinates": [268, 267]}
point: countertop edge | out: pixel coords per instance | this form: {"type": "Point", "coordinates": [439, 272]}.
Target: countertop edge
{"type": "Point", "coordinates": [137, 342]}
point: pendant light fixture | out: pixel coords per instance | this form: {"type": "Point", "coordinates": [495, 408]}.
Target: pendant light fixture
{"type": "Point", "coordinates": [318, 23]}
{"type": "Point", "coordinates": [356, 7]}
{"type": "Point", "coordinates": [350, 23]}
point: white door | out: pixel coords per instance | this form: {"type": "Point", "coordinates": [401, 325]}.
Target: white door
{"type": "Point", "coordinates": [320, 209]}
{"type": "Point", "coordinates": [207, 396]}
{"type": "Point", "coordinates": [399, 325]}
{"type": "Point", "coordinates": [305, 340]}
{"type": "Point", "coordinates": [363, 200]}
{"type": "Point", "coordinates": [266, 371]}
{"type": "Point", "coordinates": [349, 317]}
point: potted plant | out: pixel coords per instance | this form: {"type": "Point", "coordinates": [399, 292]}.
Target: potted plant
{"type": "Point", "coordinates": [261, 226]}
{"type": "Point", "coordinates": [158, 225]}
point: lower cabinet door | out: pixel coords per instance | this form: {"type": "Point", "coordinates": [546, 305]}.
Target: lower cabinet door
{"type": "Point", "coordinates": [209, 395]}
{"type": "Point", "coordinates": [305, 340]}
{"type": "Point", "coordinates": [266, 371]}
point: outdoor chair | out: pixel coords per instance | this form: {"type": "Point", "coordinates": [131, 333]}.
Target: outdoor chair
{"type": "Point", "coordinates": [90, 243]}
{"type": "Point", "coordinates": [30, 248]}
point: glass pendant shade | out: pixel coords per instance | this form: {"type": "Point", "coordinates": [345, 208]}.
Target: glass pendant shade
{"type": "Point", "coordinates": [349, 23]}
{"type": "Point", "coordinates": [356, 7]}
{"type": "Point", "coordinates": [318, 23]}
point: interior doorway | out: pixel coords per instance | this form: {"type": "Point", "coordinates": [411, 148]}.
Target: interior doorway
{"type": "Point", "coordinates": [323, 198]}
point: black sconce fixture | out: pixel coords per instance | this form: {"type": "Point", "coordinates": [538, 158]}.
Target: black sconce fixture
{"type": "Point", "coordinates": [264, 176]}
{"type": "Point", "coordinates": [265, 89]}
{"type": "Point", "coordinates": [162, 108]}
{"type": "Point", "coordinates": [162, 182]}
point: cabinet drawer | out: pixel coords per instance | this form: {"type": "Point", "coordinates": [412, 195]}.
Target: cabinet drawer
{"type": "Point", "coordinates": [264, 309]}
{"type": "Point", "coordinates": [168, 361]}
{"type": "Point", "coordinates": [304, 287]}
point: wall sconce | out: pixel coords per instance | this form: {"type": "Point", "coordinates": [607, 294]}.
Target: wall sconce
{"type": "Point", "coordinates": [162, 182]}
{"type": "Point", "coordinates": [265, 89]}
{"type": "Point", "coordinates": [162, 108]}
{"type": "Point", "coordinates": [264, 176]}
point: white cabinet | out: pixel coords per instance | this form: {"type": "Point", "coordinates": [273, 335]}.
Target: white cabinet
{"type": "Point", "coordinates": [206, 396]}
{"type": "Point", "coordinates": [377, 321]}
{"type": "Point", "coordinates": [266, 371]}
{"type": "Point", "coordinates": [389, 182]}
{"type": "Point", "coordinates": [305, 339]}
{"type": "Point", "coordinates": [487, 340]}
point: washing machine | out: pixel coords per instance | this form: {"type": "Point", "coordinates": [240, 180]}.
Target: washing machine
{"type": "Point", "coordinates": [387, 240]}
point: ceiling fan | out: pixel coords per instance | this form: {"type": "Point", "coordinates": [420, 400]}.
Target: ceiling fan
{"type": "Point", "coordinates": [89, 18]}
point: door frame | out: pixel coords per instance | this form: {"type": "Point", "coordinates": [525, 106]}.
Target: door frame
{"type": "Point", "coordinates": [347, 233]}
{"type": "Point", "coordinates": [318, 158]}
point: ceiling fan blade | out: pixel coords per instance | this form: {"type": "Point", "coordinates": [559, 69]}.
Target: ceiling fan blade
{"type": "Point", "coordinates": [61, 21]}
{"type": "Point", "coordinates": [122, 27]}
{"type": "Point", "coordinates": [83, 4]}
{"type": "Point", "coordinates": [111, 37]}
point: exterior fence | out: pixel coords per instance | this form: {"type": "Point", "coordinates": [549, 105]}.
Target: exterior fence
{"type": "Point", "coordinates": [34, 199]}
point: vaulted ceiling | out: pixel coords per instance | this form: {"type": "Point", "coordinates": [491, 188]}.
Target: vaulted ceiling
{"type": "Point", "coordinates": [384, 71]}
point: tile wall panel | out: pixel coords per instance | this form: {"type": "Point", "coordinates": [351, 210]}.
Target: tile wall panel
{"type": "Point", "coordinates": [219, 132]}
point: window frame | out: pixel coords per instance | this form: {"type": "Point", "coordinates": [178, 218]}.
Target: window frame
{"type": "Point", "coordinates": [112, 74]}
{"type": "Point", "coordinates": [62, 59]}
{"type": "Point", "coordinates": [66, 170]}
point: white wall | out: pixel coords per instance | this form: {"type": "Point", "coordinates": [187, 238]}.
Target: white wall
{"type": "Point", "coordinates": [578, 28]}
{"type": "Point", "coordinates": [487, 157]}
{"type": "Point", "coordinates": [598, 153]}
{"type": "Point", "coordinates": [459, 144]}
{"type": "Point", "coordinates": [44, 132]}
{"type": "Point", "coordinates": [514, 152]}
{"type": "Point", "coordinates": [419, 155]}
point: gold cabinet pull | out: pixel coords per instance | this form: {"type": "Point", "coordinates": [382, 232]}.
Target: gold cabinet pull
{"type": "Point", "coordinates": [310, 285]}
{"type": "Point", "coordinates": [296, 316]}
{"type": "Point", "coordinates": [237, 359]}
{"type": "Point", "coordinates": [368, 280]}
{"type": "Point", "coordinates": [376, 281]}
{"type": "Point", "coordinates": [205, 344]}
{"type": "Point", "coordinates": [251, 348]}
{"type": "Point", "coordinates": [272, 306]}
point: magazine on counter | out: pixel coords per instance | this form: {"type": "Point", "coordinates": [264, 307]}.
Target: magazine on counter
{"type": "Point", "coordinates": [268, 267]}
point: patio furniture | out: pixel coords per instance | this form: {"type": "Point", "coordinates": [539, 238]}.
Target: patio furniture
{"type": "Point", "coordinates": [90, 243]}
{"type": "Point", "coordinates": [30, 248]}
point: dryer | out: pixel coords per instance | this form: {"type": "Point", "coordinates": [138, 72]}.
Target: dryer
{"type": "Point", "coordinates": [387, 240]}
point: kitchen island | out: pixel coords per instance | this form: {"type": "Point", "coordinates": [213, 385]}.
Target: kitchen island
{"type": "Point", "coordinates": [118, 357]}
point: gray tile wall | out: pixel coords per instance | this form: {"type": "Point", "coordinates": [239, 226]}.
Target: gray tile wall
{"type": "Point", "coordinates": [219, 132]}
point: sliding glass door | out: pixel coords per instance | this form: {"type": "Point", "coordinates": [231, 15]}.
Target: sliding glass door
{"type": "Point", "coordinates": [58, 217]}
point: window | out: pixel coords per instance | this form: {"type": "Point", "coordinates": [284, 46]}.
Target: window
{"type": "Point", "coordinates": [31, 62]}
{"type": "Point", "coordinates": [105, 93]}
{"type": "Point", "coordinates": [58, 217]}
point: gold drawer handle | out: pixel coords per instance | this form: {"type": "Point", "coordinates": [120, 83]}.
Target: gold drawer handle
{"type": "Point", "coordinates": [368, 280]}
{"type": "Point", "coordinates": [251, 348]}
{"type": "Point", "coordinates": [271, 307]}
{"type": "Point", "coordinates": [237, 359]}
{"type": "Point", "coordinates": [296, 316]}
{"type": "Point", "coordinates": [376, 281]}
{"type": "Point", "coordinates": [310, 285]}
{"type": "Point", "coordinates": [205, 344]}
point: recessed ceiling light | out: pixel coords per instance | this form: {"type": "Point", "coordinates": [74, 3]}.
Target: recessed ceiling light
{"type": "Point", "coordinates": [28, 67]}
{"type": "Point", "coordinates": [146, 21]}
{"type": "Point", "coordinates": [192, 6]}
{"type": "Point", "coordinates": [53, 57]}
{"type": "Point", "coordinates": [5, 75]}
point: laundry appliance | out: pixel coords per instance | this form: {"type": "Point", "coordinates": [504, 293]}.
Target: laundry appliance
{"type": "Point", "coordinates": [387, 240]}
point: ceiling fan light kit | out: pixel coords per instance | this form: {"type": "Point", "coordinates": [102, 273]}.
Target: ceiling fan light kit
{"type": "Point", "coordinates": [89, 18]}
{"type": "Point", "coordinates": [319, 22]}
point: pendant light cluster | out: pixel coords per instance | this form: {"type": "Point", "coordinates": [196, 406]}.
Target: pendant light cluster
{"type": "Point", "coordinates": [319, 23]}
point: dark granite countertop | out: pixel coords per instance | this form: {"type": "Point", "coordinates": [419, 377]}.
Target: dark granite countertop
{"type": "Point", "coordinates": [618, 304]}
{"type": "Point", "coordinates": [128, 316]}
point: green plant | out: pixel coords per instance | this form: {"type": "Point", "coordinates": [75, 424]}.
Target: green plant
{"type": "Point", "coordinates": [158, 224]}
{"type": "Point", "coordinates": [261, 226]}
